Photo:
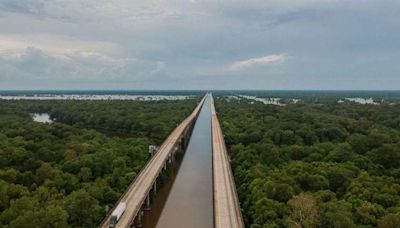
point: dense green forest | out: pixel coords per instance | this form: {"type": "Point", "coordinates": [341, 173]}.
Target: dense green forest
{"type": "Point", "coordinates": [67, 173]}
{"type": "Point", "coordinates": [313, 165]}
{"type": "Point", "coordinates": [317, 163]}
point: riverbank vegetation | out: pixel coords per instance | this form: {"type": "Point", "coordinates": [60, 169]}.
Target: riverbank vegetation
{"type": "Point", "coordinates": [66, 174]}
{"type": "Point", "coordinates": [314, 165]}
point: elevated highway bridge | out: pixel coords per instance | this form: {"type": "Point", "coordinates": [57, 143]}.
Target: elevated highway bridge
{"type": "Point", "coordinates": [227, 211]}
{"type": "Point", "coordinates": [137, 197]}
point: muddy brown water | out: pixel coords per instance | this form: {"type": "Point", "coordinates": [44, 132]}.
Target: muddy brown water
{"type": "Point", "coordinates": [186, 199]}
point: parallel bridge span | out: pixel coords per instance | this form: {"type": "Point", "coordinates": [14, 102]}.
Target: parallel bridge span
{"type": "Point", "coordinates": [227, 211]}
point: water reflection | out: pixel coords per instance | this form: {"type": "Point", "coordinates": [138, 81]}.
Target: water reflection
{"type": "Point", "coordinates": [187, 200]}
{"type": "Point", "coordinates": [190, 202]}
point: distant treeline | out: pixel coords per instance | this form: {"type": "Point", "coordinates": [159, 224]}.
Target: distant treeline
{"type": "Point", "coordinates": [316, 96]}
{"type": "Point", "coordinates": [101, 92]}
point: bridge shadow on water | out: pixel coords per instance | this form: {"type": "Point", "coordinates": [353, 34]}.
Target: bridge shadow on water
{"type": "Point", "coordinates": [151, 216]}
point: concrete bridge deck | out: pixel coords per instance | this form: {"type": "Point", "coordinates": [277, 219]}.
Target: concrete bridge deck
{"type": "Point", "coordinates": [227, 211]}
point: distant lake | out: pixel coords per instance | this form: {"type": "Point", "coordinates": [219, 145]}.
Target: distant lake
{"type": "Point", "coordinates": [41, 117]}
{"type": "Point", "coordinates": [95, 97]}
{"type": "Point", "coordinates": [361, 100]}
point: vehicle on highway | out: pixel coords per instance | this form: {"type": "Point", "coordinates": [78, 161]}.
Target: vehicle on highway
{"type": "Point", "coordinates": [117, 213]}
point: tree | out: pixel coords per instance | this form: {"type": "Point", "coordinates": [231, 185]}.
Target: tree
{"type": "Point", "coordinates": [335, 214]}
{"type": "Point", "coordinates": [368, 213]}
{"type": "Point", "coordinates": [45, 171]}
{"type": "Point", "coordinates": [83, 209]}
{"type": "Point", "coordinates": [387, 156]}
{"type": "Point", "coordinates": [360, 143]}
{"type": "Point", "coordinates": [389, 221]}
{"type": "Point", "coordinates": [304, 212]}
{"type": "Point", "coordinates": [53, 216]}
{"type": "Point", "coordinates": [85, 174]}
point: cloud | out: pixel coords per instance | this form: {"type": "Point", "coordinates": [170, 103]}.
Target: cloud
{"type": "Point", "coordinates": [33, 63]}
{"type": "Point", "coordinates": [118, 12]}
{"type": "Point", "coordinates": [256, 62]}
{"type": "Point", "coordinates": [194, 44]}
{"type": "Point", "coordinates": [44, 58]}
{"type": "Point", "coordinates": [21, 6]}
{"type": "Point", "coordinates": [54, 45]}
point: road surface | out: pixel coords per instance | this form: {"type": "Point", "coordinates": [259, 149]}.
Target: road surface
{"type": "Point", "coordinates": [226, 204]}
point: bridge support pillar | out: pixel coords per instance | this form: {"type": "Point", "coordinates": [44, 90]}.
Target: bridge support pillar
{"type": "Point", "coordinates": [182, 143]}
{"type": "Point", "coordinates": [138, 219]}
{"type": "Point", "coordinates": [155, 187]}
{"type": "Point", "coordinates": [170, 158]}
{"type": "Point", "coordinates": [147, 207]}
{"type": "Point", "coordinates": [177, 148]}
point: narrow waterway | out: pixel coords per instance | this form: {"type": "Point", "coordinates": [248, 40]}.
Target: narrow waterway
{"type": "Point", "coordinates": [188, 198]}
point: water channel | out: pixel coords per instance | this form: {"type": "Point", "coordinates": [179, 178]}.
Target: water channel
{"type": "Point", "coordinates": [186, 200]}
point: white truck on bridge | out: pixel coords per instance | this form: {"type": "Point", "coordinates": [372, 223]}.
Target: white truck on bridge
{"type": "Point", "coordinates": [117, 213]}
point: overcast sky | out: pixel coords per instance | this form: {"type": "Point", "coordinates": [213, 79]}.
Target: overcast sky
{"type": "Point", "coordinates": [211, 44]}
